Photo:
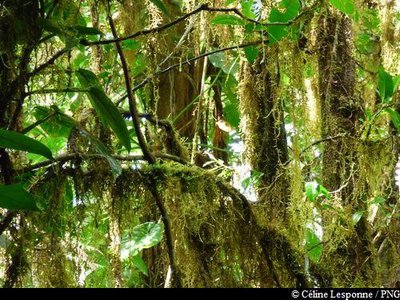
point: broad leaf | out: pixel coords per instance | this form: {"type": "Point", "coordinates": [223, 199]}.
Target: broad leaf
{"type": "Point", "coordinates": [247, 10]}
{"type": "Point", "coordinates": [251, 53]}
{"type": "Point", "coordinates": [18, 141]}
{"type": "Point", "coordinates": [140, 264]}
{"type": "Point", "coordinates": [15, 197]}
{"type": "Point", "coordinates": [147, 235]}
{"type": "Point", "coordinates": [313, 245]}
{"type": "Point", "coordinates": [60, 122]}
{"type": "Point", "coordinates": [347, 7]}
{"type": "Point", "coordinates": [227, 20]}
{"type": "Point", "coordinates": [291, 9]}
{"type": "Point", "coordinates": [98, 145]}
{"type": "Point", "coordinates": [102, 150]}
{"type": "Point", "coordinates": [104, 107]}
{"type": "Point", "coordinates": [378, 200]}
{"type": "Point", "coordinates": [144, 236]}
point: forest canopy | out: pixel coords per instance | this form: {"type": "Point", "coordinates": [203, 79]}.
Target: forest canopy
{"type": "Point", "coordinates": [195, 143]}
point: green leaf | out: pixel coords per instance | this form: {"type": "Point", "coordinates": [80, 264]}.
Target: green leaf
{"type": "Point", "coordinates": [311, 190]}
{"type": "Point", "coordinates": [396, 83]}
{"type": "Point", "coordinates": [251, 53]}
{"type": "Point", "coordinates": [130, 45]}
{"type": "Point", "coordinates": [291, 9]}
{"type": "Point", "coordinates": [144, 236]}
{"type": "Point", "coordinates": [323, 191]}
{"type": "Point", "coordinates": [18, 141]}
{"type": "Point", "coordinates": [160, 5]}
{"type": "Point", "coordinates": [102, 150]}
{"type": "Point", "coordinates": [223, 19]}
{"type": "Point", "coordinates": [247, 8]}
{"type": "Point", "coordinates": [15, 197]}
{"type": "Point", "coordinates": [82, 30]}
{"type": "Point", "coordinates": [139, 263]}
{"type": "Point", "coordinates": [378, 200]}
{"type": "Point", "coordinates": [385, 84]}
{"type": "Point", "coordinates": [395, 117]}
{"type": "Point", "coordinates": [147, 235]}
{"type": "Point", "coordinates": [347, 7]}
{"type": "Point", "coordinates": [104, 107]}
{"type": "Point", "coordinates": [357, 217]}
{"type": "Point", "coordinates": [313, 245]}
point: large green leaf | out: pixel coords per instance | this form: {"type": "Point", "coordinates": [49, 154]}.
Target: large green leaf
{"type": "Point", "coordinates": [227, 20]}
{"type": "Point", "coordinates": [18, 141]}
{"type": "Point", "coordinates": [104, 107]}
{"type": "Point", "coordinates": [144, 236]}
{"type": "Point", "coordinates": [15, 197]}
{"type": "Point", "coordinates": [286, 11]}
{"type": "Point", "coordinates": [346, 6]}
